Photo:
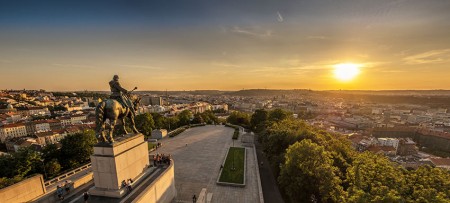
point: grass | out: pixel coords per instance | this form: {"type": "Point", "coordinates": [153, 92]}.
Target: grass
{"type": "Point", "coordinates": [151, 145]}
{"type": "Point", "coordinates": [237, 175]}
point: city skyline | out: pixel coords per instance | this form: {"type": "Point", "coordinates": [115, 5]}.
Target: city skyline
{"type": "Point", "coordinates": [229, 45]}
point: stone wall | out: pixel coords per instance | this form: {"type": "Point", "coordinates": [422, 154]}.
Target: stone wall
{"type": "Point", "coordinates": [23, 191]}
{"type": "Point", "coordinates": [161, 190]}
{"type": "Point", "coordinates": [51, 197]}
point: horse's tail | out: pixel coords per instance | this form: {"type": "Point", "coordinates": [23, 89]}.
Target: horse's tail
{"type": "Point", "coordinates": [100, 112]}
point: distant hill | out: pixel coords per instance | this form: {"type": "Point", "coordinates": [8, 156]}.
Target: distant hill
{"type": "Point", "coordinates": [191, 92]}
{"type": "Point", "coordinates": [395, 92]}
{"type": "Point", "coordinates": [267, 92]}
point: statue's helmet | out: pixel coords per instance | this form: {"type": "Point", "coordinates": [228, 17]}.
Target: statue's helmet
{"type": "Point", "coordinates": [116, 77]}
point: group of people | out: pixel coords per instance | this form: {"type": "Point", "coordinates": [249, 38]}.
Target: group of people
{"type": "Point", "coordinates": [127, 184]}
{"type": "Point", "coordinates": [60, 189]}
{"type": "Point", "coordinates": [159, 159]}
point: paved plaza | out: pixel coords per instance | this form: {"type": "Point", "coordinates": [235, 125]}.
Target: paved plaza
{"type": "Point", "coordinates": [197, 154]}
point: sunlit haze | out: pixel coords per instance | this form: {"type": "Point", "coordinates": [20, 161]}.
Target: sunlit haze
{"type": "Point", "coordinates": [225, 45]}
{"type": "Point", "coordinates": [346, 71]}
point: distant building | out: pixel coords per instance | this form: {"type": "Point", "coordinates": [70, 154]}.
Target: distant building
{"type": "Point", "coordinates": [77, 119]}
{"type": "Point", "coordinates": [150, 100]}
{"type": "Point", "coordinates": [42, 126]}
{"type": "Point", "coordinates": [65, 121]}
{"type": "Point", "coordinates": [12, 130]}
{"type": "Point", "coordinates": [407, 147]}
{"type": "Point", "coordinates": [45, 138]}
{"type": "Point", "coordinates": [33, 111]}
{"type": "Point", "coordinates": [159, 133]}
{"type": "Point", "coordinates": [393, 142]}
{"type": "Point", "coordinates": [385, 150]}
{"type": "Point", "coordinates": [219, 106]}
{"type": "Point", "coordinates": [14, 144]}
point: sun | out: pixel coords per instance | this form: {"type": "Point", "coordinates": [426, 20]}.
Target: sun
{"type": "Point", "coordinates": [346, 71]}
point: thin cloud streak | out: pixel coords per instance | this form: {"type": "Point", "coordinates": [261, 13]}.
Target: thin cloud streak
{"type": "Point", "coordinates": [240, 30]}
{"type": "Point", "coordinates": [429, 57]}
{"type": "Point", "coordinates": [279, 17]}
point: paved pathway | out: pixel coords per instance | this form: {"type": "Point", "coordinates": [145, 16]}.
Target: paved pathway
{"type": "Point", "coordinates": [197, 154]}
{"type": "Point", "coordinates": [268, 181]}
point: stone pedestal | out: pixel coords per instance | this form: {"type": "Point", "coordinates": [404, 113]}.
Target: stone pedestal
{"type": "Point", "coordinates": [126, 158]}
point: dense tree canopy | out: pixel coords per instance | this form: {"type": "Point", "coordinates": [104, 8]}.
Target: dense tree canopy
{"type": "Point", "coordinates": [308, 174]}
{"type": "Point", "coordinates": [209, 117]}
{"type": "Point", "coordinates": [184, 117]}
{"type": "Point", "coordinates": [315, 166]}
{"type": "Point", "coordinates": [76, 149]}
{"type": "Point", "coordinates": [239, 118]}
{"type": "Point", "coordinates": [279, 115]}
{"type": "Point", "coordinates": [259, 119]}
{"type": "Point", "coordinates": [145, 124]}
{"type": "Point", "coordinates": [197, 119]}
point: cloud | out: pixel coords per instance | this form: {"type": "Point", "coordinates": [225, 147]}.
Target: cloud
{"type": "Point", "coordinates": [279, 17]}
{"type": "Point", "coordinates": [433, 56]}
{"type": "Point", "coordinates": [251, 32]}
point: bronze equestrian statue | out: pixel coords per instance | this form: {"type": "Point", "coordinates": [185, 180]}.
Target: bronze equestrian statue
{"type": "Point", "coordinates": [118, 106]}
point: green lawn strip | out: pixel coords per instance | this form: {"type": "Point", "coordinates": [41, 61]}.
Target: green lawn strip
{"type": "Point", "coordinates": [151, 145]}
{"type": "Point", "coordinates": [237, 175]}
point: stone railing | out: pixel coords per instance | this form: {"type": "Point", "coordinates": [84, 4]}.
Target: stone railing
{"type": "Point", "coordinates": [68, 174]}
{"type": "Point", "coordinates": [23, 191]}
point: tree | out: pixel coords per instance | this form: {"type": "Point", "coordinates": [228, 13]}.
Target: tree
{"type": "Point", "coordinates": [50, 152]}
{"type": "Point", "coordinates": [171, 123]}
{"type": "Point", "coordinates": [308, 174]}
{"type": "Point", "coordinates": [20, 164]}
{"type": "Point", "coordinates": [145, 124]}
{"type": "Point", "coordinates": [209, 117]}
{"type": "Point", "coordinates": [373, 178]}
{"type": "Point", "coordinates": [159, 120]}
{"type": "Point", "coordinates": [184, 117]}
{"type": "Point", "coordinates": [76, 149]}
{"type": "Point", "coordinates": [427, 184]}
{"type": "Point", "coordinates": [197, 119]}
{"type": "Point", "coordinates": [279, 115]}
{"type": "Point", "coordinates": [239, 118]}
{"type": "Point", "coordinates": [259, 119]}
{"type": "Point", "coordinates": [52, 168]}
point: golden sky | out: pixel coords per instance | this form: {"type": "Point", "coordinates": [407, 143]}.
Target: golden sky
{"type": "Point", "coordinates": [232, 45]}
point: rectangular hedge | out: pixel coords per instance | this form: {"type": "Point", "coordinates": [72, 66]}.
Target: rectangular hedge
{"type": "Point", "coordinates": [236, 130]}
{"type": "Point", "coordinates": [177, 132]}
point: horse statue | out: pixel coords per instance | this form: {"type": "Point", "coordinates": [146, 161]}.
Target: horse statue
{"type": "Point", "coordinates": [113, 110]}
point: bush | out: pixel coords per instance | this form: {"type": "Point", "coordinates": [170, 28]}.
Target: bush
{"type": "Point", "coordinates": [197, 125]}
{"type": "Point", "coordinates": [236, 130]}
{"type": "Point", "coordinates": [176, 132]}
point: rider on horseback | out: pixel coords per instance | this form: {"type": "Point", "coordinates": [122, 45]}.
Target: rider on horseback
{"type": "Point", "coordinates": [120, 94]}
